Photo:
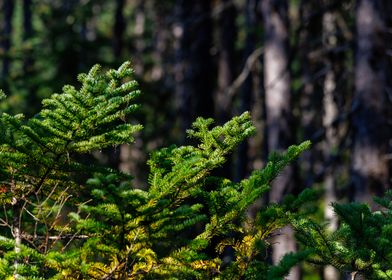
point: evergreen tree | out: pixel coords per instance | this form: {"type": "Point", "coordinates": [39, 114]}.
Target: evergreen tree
{"type": "Point", "coordinates": [39, 169]}
{"type": "Point", "coordinates": [167, 230]}
{"type": "Point", "coordinates": [178, 228]}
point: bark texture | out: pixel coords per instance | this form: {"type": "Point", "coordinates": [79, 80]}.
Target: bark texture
{"type": "Point", "coordinates": [330, 113]}
{"type": "Point", "coordinates": [278, 110]}
{"type": "Point", "coordinates": [370, 171]}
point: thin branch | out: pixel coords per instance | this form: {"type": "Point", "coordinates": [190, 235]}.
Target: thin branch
{"type": "Point", "coordinates": [28, 212]}
{"type": "Point", "coordinates": [55, 237]}
{"type": "Point", "coordinates": [5, 214]}
{"type": "Point", "coordinates": [66, 245]}
{"type": "Point", "coordinates": [250, 61]}
{"type": "Point", "coordinates": [5, 223]}
{"type": "Point", "coordinates": [51, 193]}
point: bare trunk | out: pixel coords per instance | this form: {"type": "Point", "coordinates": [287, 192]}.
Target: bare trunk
{"type": "Point", "coordinates": [370, 172]}
{"type": "Point", "coordinates": [119, 28]}
{"type": "Point", "coordinates": [331, 134]}
{"type": "Point", "coordinates": [227, 34]}
{"type": "Point", "coordinates": [8, 9]}
{"type": "Point", "coordinates": [311, 91]}
{"type": "Point", "coordinates": [194, 68]}
{"type": "Point", "coordinates": [247, 87]}
{"type": "Point", "coordinates": [277, 78]}
{"type": "Point", "coordinates": [28, 32]}
{"type": "Point", "coordinates": [226, 63]}
{"type": "Point", "coordinates": [33, 100]}
{"type": "Point", "coordinates": [278, 110]}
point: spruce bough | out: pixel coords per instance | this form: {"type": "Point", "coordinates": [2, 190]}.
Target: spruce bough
{"type": "Point", "coordinates": [56, 226]}
{"type": "Point", "coordinates": [362, 245]}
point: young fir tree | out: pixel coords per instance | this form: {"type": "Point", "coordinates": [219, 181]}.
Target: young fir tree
{"type": "Point", "coordinates": [176, 229]}
{"type": "Point", "coordinates": [39, 170]}
{"type": "Point", "coordinates": [169, 230]}
{"type": "Point", "coordinates": [362, 245]}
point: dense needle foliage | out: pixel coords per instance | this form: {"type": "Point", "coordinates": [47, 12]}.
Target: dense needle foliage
{"type": "Point", "coordinates": [188, 224]}
{"type": "Point", "coordinates": [40, 164]}
{"type": "Point", "coordinates": [56, 227]}
{"type": "Point", "coordinates": [362, 244]}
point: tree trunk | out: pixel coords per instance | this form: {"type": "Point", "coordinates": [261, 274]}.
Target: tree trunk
{"type": "Point", "coordinates": [247, 88]}
{"type": "Point", "coordinates": [226, 61]}
{"type": "Point", "coordinates": [278, 110]}
{"type": "Point", "coordinates": [331, 141]}
{"type": "Point", "coordinates": [369, 164]}
{"type": "Point", "coordinates": [28, 32]}
{"type": "Point", "coordinates": [117, 154]}
{"type": "Point", "coordinates": [194, 69]}
{"type": "Point", "coordinates": [8, 9]}
{"type": "Point", "coordinates": [118, 30]}
{"type": "Point", "coordinates": [311, 91]}
{"type": "Point", "coordinates": [33, 100]}
{"type": "Point", "coordinates": [277, 80]}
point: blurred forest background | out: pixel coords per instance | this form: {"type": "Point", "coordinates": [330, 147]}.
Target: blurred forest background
{"type": "Point", "coordinates": [305, 69]}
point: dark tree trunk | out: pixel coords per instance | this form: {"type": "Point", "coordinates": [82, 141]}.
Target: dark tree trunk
{"type": "Point", "coordinates": [119, 28]}
{"type": "Point", "coordinates": [311, 91]}
{"type": "Point", "coordinates": [278, 109]}
{"type": "Point", "coordinates": [194, 66]}
{"type": "Point", "coordinates": [247, 87]}
{"type": "Point", "coordinates": [118, 32]}
{"type": "Point", "coordinates": [8, 10]}
{"type": "Point", "coordinates": [28, 58]}
{"type": "Point", "coordinates": [226, 61]}
{"type": "Point", "coordinates": [370, 172]}
{"type": "Point", "coordinates": [28, 33]}
{"type": "Point", "coordinates": [227, 35]}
